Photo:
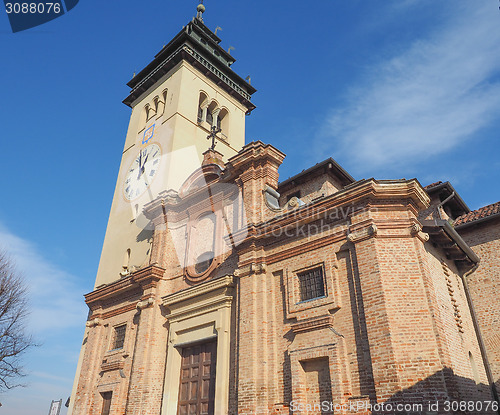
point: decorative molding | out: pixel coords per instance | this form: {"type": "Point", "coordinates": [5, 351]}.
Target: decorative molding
{"type": "Point", "coordinates": [197, 310]}
{"type": "Point", "coordinates": [149, 275]}
{"type": "Point", "coordinates": [118, 311]}
{"type": "Point", "coordinates": [93, 323]}
{"type": "Point", "coordinates": [416, 230]}
{"type": "Point", "coordinates": [306, 247]}
{"type": "Point", "coordinates": [357, 197]}
{"type": "Point", "coordinates": [113, 289]}
{"type": "Point", "coordinates": [317, 323]}
{"type": "Point", "coordinates": [251, 268]}
{"type": "Point", "coordinates": [142, 279]}
{"type": "Point", "coordinates": [258, 268]}
{"type": "Point", "coordinates": [114, 365]}
{"type": "Point", "coordinates": [198, 290]}
{"type": "Point", "coordinates": [141, 305]}
{"type": "Point", "coordinates": [362, 234]}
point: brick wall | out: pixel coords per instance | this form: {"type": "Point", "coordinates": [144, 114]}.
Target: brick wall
{"type": "Point", "coordinates": [484, 286]}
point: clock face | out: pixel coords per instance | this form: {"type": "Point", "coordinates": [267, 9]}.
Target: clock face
{"type": "Point", "coordinates": [142, 171]}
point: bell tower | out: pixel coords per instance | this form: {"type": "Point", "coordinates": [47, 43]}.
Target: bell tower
{"type": "Point", "coordinates": [184, 94]}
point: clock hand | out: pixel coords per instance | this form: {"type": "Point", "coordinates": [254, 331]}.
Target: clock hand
{"type": "Point", "coordinates": [140, 165]}
{"type": "Point", "coordinates": [144, 164]}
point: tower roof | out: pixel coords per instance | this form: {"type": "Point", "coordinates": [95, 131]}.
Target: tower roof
{"type": "Point", "coordinates": [198, 45]}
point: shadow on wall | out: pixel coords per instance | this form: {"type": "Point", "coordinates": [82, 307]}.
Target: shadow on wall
{"type": "Point", "coordinates": [466, 397]}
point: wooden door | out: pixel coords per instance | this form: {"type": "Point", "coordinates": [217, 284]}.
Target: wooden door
{"type": "Point", "coordinates": [197, 381]}
{"type": "Point", "coordinates": [106, 402]}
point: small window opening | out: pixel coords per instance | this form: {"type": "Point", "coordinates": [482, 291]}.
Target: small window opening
{"type": "Point", "coordinates": [201, 106]}
{"type": "Point", "coordinates": [126, 259]}
{"type": "Point", "coordinates": [164, 96]}
{"type": "Point", "coordinates": [203, 262]}
{"type": "Point", "coordinates": [223, 123]}
{"type": "Point", "coordinates": [311, 284]}
{"type": "Point", "coordinates": [146, 114]}
{"type": "Point", "coordinates": [211, 108]}
{"type": "Point", "coordinates": [150, 112]}
{"type": "Point", "coordinates": [119, 339]}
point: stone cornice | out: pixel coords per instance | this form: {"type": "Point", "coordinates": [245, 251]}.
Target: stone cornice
{"type": "Point", "coordinates": [252, 152]}
{"type": "Point", "coordinates": [110, 290]}
{"type": "Point", "coordinates": [308, 245]}
{"type": "Point", "coordinates": [198, 290]}
{"type": "Point", "coordinates": [150, 274]}
{"type": "Point", "coordinates": [144, 276]}
{"type": "Point", "coordinates": [350, 200]}
{"type": "Point", "coordinates": [113, 312]}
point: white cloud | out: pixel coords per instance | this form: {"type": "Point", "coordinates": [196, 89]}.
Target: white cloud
{"type": "Point", "coordinates": [57, 320]}
{"type": "Point", "coordinates": [427, 100]}
{"type": "Point", "coordinates": [56, 301]}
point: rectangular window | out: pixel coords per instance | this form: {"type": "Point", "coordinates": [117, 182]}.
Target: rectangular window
{"type": "Point", "coordinates": [106, 403]}
{"type": "Point", "coordinates": [119, 339]}
{"type": "Point", "coordinates": [311, 283]}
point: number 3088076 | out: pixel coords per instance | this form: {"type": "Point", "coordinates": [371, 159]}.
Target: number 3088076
{"type": "Point", "coordinates": [32, 8]}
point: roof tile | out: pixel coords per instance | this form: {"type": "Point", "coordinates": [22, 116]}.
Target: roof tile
{"type": "Point", "coordinates": [480, 213]}
{"type": "Point", "coordinates": [429, 186]}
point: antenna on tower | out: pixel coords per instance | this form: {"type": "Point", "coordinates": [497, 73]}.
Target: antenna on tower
{"type": "Point", "coordinates": [200, 9]}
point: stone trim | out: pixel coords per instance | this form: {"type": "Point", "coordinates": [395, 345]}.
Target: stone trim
{"type": "Point", "coordinates": [312, 324]}
{"type": "Point", "coordinates": [197, 290]}
{"type": "Point", "coordinates": [197, 314]}
{"type": "Point", "coordinates": [115, 312]}
{"type": "Point", "coordinates": [306, 247]}
{"type": "Point", "coordinates": [149, 275]}
{"type": "Point", "coordinates": [146, 277]}
{"type": "Point", "coordinates": [416, 230]}
{"type": "Point", "coordinates": [359, 235]}
{"type": "Point", "coordinates": [111, 290]}
{"type": "Point", "coordinates": [115, 365]}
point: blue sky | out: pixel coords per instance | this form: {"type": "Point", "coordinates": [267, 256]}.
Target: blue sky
{"type": "Point", "coordinates": [390, 89]}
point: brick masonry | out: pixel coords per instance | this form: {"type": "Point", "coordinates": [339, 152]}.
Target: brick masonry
{"type": "Point", "coordinates": [393, 327]}
{"type": "Point", "coordinates": [484, 284]}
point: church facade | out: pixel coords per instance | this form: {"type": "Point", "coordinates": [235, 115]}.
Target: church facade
{"type": "Point", "coordinates": [222, 290]}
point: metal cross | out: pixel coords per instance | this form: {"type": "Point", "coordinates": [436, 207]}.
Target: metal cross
{"type": "Point", "coordinates": [213, 135]}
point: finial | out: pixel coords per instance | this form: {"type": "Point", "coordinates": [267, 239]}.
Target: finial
{"type": "Point", "coordinates": [200, 9]}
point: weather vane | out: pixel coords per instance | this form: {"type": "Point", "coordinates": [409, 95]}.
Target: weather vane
{"type": "Point", "coordinates": [213, 135]}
